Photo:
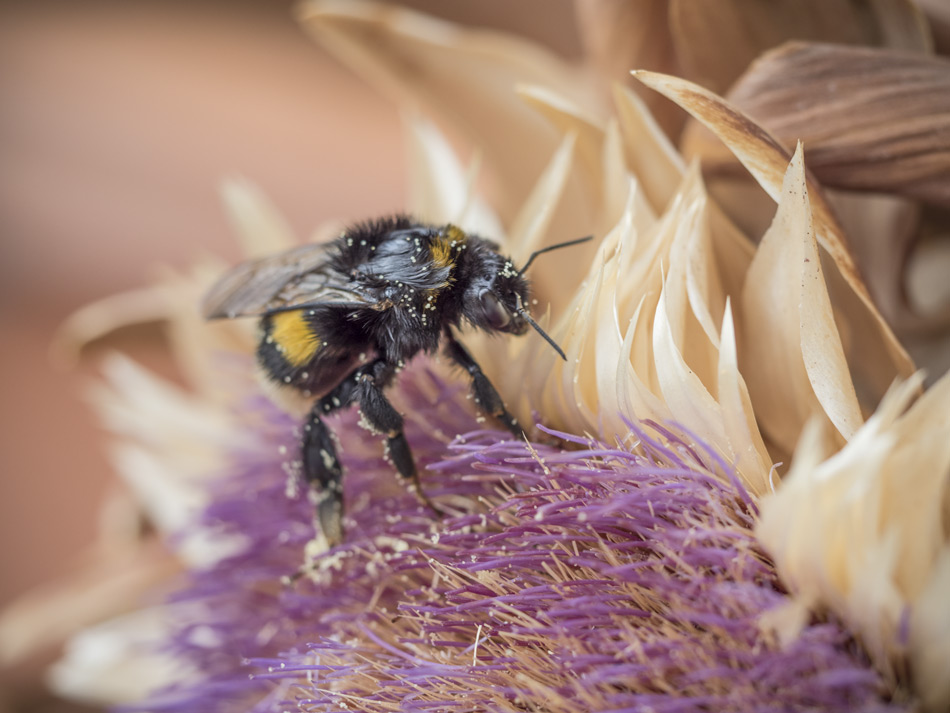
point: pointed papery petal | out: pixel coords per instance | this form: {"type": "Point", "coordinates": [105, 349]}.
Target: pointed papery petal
{"type": "Point", "coordinates": [438, 185]}
{"type": "Point", "coordinates": [635, 372]}
{"type": "Point", "coordinates": [689, 328]}
{"type": "Point", "coordinates": [685, 344]}
{"type": "Point", "coordinates": [616, 182]}
{"type": "Point", "coordinates": [464, 77]}
{"type": "Point", "coordinates": [609, 336]}
{"type": "Point", "coordinates": [651, 156]}
{"type": "Point", "coordinates": [149, 410]}
{"type": "Point", "coordinates": [580, 394]}
{"type": "Point", "coordinates": [531, 224]}
{"type": "Point", "coordinates": [716, 40]}
{"type": "Point", "coordinates": [640, 347]}
{"type": "Point", "coordinates": [624, 363]}
{"type": "Point", "coordinates": [569, 118]}
{"type": "Point", "coordinates": [111, 579]}
{"type": "Point", "coordinates": [745, 441]}
{"type": "Point", "coordinates": [690, 403]}
{"type": "Point", "coordinates": [598, 384]}
{"type": "Point", "coordinates": [872, 119]}
{"type": "Point", "coordinates": [873, 547]}
{"type": "Point", "coordinates": [930, 638]}
{"type": "Point", "coordinates": [102, 317]}
{"type": "Point", "coordinates": [440, 190]}
{"type": "Point", "coordinates": [821, 347]}
{"type": "Point", "coordinates": [876, 355]}
{"type": "Point", "coordinates": [118, 661]}
{"type": "Point", "coordinates": [197, 345]}
{"type": "Point", "coordinates": [528, 233]}
{"type": "Point", "coordinates": [795, 359]}
{"type": "Point", "coordinates": [618, 36]}
{"type": "Point", "coordinates": [260, 227]}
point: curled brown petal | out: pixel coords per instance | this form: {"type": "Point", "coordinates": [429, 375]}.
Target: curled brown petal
{"type": "Point", "coordinates": [872, 119]}
{"type": "Point", "coordinates": [717, 39]}
{"type": "Point", "coordinates": [937, 13]}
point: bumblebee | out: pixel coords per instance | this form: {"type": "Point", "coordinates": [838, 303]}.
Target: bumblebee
{"type": "Point", "coordinates": [338, 320]}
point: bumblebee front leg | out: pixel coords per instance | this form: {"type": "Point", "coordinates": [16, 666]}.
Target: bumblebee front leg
{"type": "Point", "coordinates": [485, 395]}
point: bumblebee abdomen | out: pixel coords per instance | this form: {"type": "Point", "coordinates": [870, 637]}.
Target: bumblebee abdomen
{"type": "Point", "coordinates": [310, 350]}
{"type": "Point", "coordinates": [289, 345]}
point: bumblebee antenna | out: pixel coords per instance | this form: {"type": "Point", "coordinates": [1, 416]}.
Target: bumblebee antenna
{"type": "Point", "coordinates": [547, 250]}
{"type": "Point", "coordinates": [520, 307]}
{"type": "Point", "coordinates": [537, 327]}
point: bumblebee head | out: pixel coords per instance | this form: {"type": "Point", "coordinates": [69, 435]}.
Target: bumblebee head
{"type": "Point", "coordinates": [501, 305]}
{"type": "Point", "coordinates": [499, 308]}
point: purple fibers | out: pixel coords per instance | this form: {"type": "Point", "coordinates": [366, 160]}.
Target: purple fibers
{"type": "Point", "coordinates": [600, 577]}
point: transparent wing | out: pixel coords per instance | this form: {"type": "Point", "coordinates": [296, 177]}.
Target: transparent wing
{"type": "Point", "coordinates": [298, 277]}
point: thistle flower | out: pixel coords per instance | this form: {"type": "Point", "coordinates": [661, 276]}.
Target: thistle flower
{"type": "Point", "coordinates": [610, 577]}
{"type": "Point", "coordinates": [660, 560]}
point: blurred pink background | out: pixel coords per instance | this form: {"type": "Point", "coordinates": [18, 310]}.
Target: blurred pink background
{"type": "Point", "coordinates": [117, 123]}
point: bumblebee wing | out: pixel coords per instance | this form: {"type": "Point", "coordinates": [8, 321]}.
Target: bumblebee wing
{"type": "Point", "coordinates": [298, 277]}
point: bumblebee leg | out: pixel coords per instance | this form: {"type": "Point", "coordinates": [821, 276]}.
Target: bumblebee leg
{"type": "Point", "coordinates": [380, 415]}
{"type": "Point", "coordinates": [324, 474]}
{"type": "Point", "coordinates": [485, 395]}
{"type": "Point", "coordinates": [321, 466]}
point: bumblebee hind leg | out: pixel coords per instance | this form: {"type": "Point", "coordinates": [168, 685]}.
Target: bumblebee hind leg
{"type": "Point", "coordinates": [324, 474]}
{"type": "Point", "coordinates": [321, 467]}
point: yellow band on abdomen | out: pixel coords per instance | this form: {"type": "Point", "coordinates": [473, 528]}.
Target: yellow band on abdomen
{"type": "Point", "coordinates": [294, 337]}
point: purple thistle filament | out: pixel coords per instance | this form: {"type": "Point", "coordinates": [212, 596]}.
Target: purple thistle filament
{"type": "Point", "coordinates": [602, 578]}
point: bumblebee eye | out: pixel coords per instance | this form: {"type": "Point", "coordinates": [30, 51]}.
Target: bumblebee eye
{"type": "Point", "coordinates": [494, 311]}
